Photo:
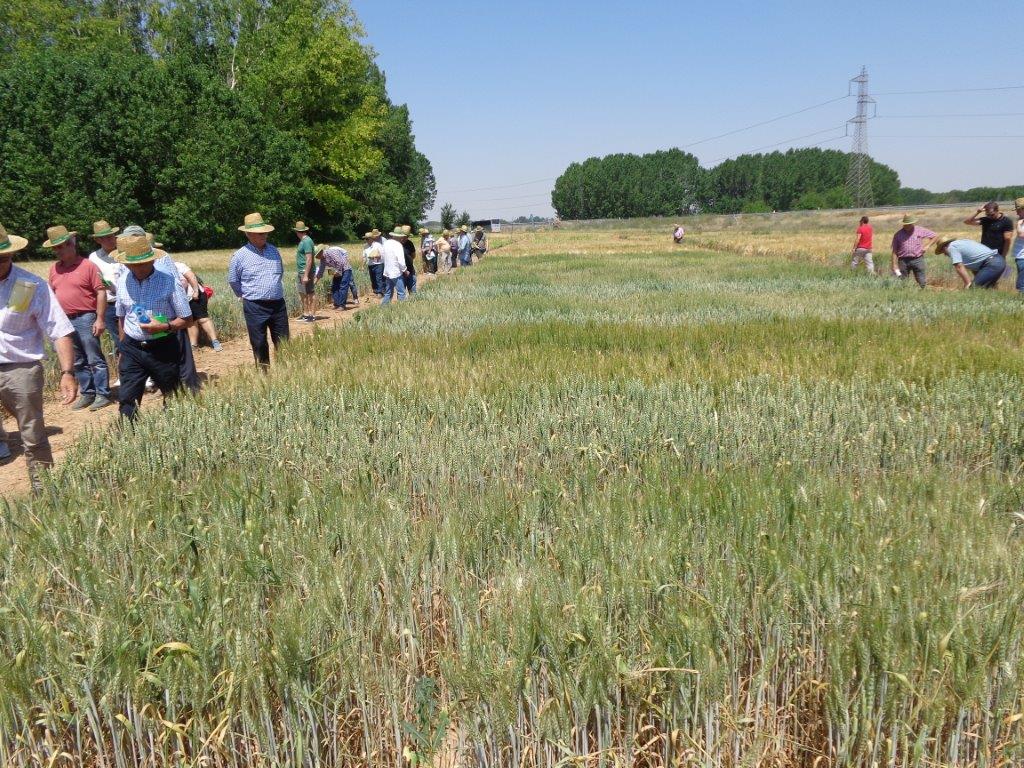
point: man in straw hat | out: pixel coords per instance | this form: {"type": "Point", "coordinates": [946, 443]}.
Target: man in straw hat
{"type": "Point", "coordinates": [394, 267]}
{"type": "Point", "coordinates": [908, 247]}
{"type": "Point", "coordinates": [78, 286]}
{"type": "Point", "coordinates": [465, 247]}
{"type": "Point", "coordinates": [409, 250]}
{"type": "Point", "coordinates": [1018, 244]}
{"type": "Point", "coordinates": [152, 310]}
{"type": "Point", "coordinates": [373, 257]}
{"type": "Point", "coordinates": [305, 273]}
{"type": "Point", "coordinates": [255, 277]}
{"type": "Point", "coordinates": [479, 246]}
{"type": "Point", "coordinates": [335, 260]}
{"type": "Point", "coordinates": [428, 251]}
{"type": "Point", "coordinates": [29, 311]}
{"type": "Point", "coordinates": [978, 265]}
{"type": "Point", "coordinates": [105, 236]}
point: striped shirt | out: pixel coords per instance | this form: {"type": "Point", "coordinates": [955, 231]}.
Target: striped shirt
{"type": "Point", "coordinates": [336, 258]}
{"type": "Point", "coordinates": [910, 246]}
{"type": "Point", "coordinates": [158, 294]}
{"type": "Point", "coordinates": [21, 333]}
{"type": "Point", "coordinates": [255, 275]}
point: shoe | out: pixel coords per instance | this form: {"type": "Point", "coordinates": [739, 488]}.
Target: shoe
{"type": "Point", "coordinates": [83, 402]}
{"type": "Point", "coordinates": [195, 347]}
{"type": "Point", "coordinates": [150, 385]}
{"type": "Point", "coordinates": [100, 402]}
{"type": "Point", "coordinates": [115, 383]}
{"type": "Point", "coordinates": [217, 346]}
{"type": "Point", "coordinates": [5, 452]}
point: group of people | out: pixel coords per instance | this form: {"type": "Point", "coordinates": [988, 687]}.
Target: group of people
{"type": "Point", "coordinates": [154, 307]}
{"type": "Point", "coordinates": [979, 264]}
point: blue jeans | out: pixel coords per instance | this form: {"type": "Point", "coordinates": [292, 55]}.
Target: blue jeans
{"type": "Point", "coordinates": [90, 363]}
{"type": "Point", "coordinates": [466, 259]}
{"type": "Point", "coordinates": [110, 318]}
{"type": "Point", "coordinates": [392, 285]}
{"type": "Point", "coordinates": [377, 279]}
{"type": "Point", "coordinates": [340, 287]}
{"type": "Point", "coordinates": [1020, 272]}
{"type": "Point", "coordinates": [988, 276]}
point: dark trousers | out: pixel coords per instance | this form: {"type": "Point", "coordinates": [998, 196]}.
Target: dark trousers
{"type": "Point", "coordinates": [410, 282]}
{"type": "Point", "coordinates": [158, 360]}
{"type": "Point", "coordinates": [187, 364]}
{"type": "Point", "coordinates": [340, 287]}
{"type": "Point", "coordinates": [913, 265]}
{"type": "Point", "coordinates": [377, 278]}
{"type": "Point", "coordinates": [262, 317]}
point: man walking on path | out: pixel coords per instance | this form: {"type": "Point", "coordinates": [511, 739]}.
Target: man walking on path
{"type": "Point", "coordinates": [336, 260]}
{"type": "Point", "coordinates": [373, 257]}
{"type": "Point", "coordinates": [78, 286]}
{"type": "Point", "coordinates": [862, 246]}
{"type": "Point", "coordinates": [465, 247]}
{"type": "Point", "coordinates": [479, 247]}
{"type": "Point", "coordinates": [394, 267]}
{"type": "Point", "coordinates": [153, 311]}
{"type": "Point", "coordinates": [978, 265]}
{"type": "Point", "coordinates": [28, 311]}
{"type": "Point", "coordinates": [254, 275]}
{"type": "Point", "coordinates": [106, 241]}
{"type": "Point", "coordinates": [305, 278]}
{"type": "Point", "coordinates": [908, 247]}
{"type": "Point", "coordinates": [996, 228]}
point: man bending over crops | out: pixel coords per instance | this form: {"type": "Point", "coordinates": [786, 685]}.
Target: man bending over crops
{"type": "Point", "coordinates": [977, 265]}
{"type": "Point", "coordinates": [28, 311]}
{"type": "Point", "coordinates": [255, 276]}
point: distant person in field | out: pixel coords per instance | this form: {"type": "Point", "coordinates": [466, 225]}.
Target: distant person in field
{"type": "Point", "coordinates": [453, 241]}
{"type": "Point", "coordinates": [428, 251]}
{"type": "Point", "coordinates": [977, 265]}
{"type": "Point", "coordinates": [29, 311]}
{"type": "Point", "coordinates": [862, 246]}
{"type": "Point", "coordinates": [479, 247]}
{"type": "Point", "coordinates": [373, 258]}
{"type": "Point", "coordinates": [409, 249]}
{"type": "Point", "coordinates": [394, 267]}
{"type": "Point", "coordinates": [908, 247]}
{"type": "Point", "coordinates": [335, 260]}
{"type": "Point", "coordinates": [1018, 244]}
{"type": "Point", "coordinates": [444, 251]}
{"type": "Point", "coordinates": [154, 317]}
{"type": "Point", "coordinates": [305, 274]}
{"type": "Point", "coordinates": [199, 303]}
{"type": "Point", "coordinates": [78, 286]}
{"type": "Point", "coordinates": [465, 247]}
{"type": "Point", "coordinates": [678, 234]}
{"type": "Point", "coordinates": [254, 275]}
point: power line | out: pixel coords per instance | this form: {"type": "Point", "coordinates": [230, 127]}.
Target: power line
{"type": "Point", "coordinates": [765, 122]}
{"type": "Point", "coordinates": [787, 141]}
{"type": "Point", "coordinates": [951, 136]}
{"type": "Point", "coordinates": [501, 186]}
{"type": "Point", "coordinates": [952, 90]}
{"type": "Point", "coordinates": [960, 114]}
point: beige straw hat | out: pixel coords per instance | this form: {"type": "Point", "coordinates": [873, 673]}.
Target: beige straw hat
{"type": "Point", "coordinates": [11, 243]}
{"type": "Point", "coordinates": [254, 223]}
{"type": "Point", "coordinates": [300, 226]}
{"type": "Point", "coordinates": [909, 219]}
{"type": "Point", "coordinates": [942, 243]}
{"type": "Point", "coordinates": [369, 236]}
{"type": "Point", "coordinates": [407, 229]}
{"type": "Point", "coordinates": [57, 236]}
{"type": "Point", "coordinates": [1019, 203]}
{"type": "Point", "coordinates": [399, 232]}
{"type": "Point", "coordinates": [135, 249]}
{"type": "Point", "coordinates": [424, 231]}
{"type": "Point", "coordinates": [102, 228]}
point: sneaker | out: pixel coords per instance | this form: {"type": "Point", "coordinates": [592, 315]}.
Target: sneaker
{"type": "Point", "coordinates": [5, 452]}
{"type": "Point", "coordinates": [83, 402]}
{"type": "Point", "coordinates": [217, 346]}
{"type": "Point", "coordinates": [100, 402]}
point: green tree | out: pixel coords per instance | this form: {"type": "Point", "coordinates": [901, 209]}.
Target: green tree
{"type": "Point", "coordinates": [464, 219]}
{"type": "Point", "coordinates": [448, 216]}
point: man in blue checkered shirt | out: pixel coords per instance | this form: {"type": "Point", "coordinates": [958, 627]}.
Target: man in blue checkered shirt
{"type": "Point", "coordinates": [255, 276]}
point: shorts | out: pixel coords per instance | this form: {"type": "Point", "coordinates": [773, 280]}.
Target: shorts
{"type": "Point", "coordinates": [305, 286]}
{"type": "Point", "coordinates": [200, 307]}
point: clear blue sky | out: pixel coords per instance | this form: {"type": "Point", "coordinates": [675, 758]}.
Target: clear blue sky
{"type": "Point", "coordinates": [506, 93]}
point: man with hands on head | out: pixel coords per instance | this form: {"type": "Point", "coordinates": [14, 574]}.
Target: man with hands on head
{"type": "Point", "coordinates": [29, 311]}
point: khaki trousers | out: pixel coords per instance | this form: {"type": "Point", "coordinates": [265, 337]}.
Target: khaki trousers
{"type": "Point", "coordinates": [21, 393]}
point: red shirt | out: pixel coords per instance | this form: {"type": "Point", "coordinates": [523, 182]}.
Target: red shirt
{"type": "Point", "coordinates": [864, 236]}
{"type": "Point", "coordinates": [76, 286]}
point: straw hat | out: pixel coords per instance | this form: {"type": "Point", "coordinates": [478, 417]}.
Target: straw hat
{"type": "Point", "coordinates": [135, 249]}
{"type": "Point", "coordinates": [479, 229]}
{"type": "Point", "coordinates": [1019, 203]}
{"type": "Point", "coordinates": [399, 232]}
{"type": "Point", "coordinates": [317, 249]}
{"type": "Point", "coordinates": [942, 243]}
{"type": "Point", "coordinates": [463, 228]}
{"type": "Point", "coordinates": [376, 232]}
{"type": "Point", "coordinates": [445, 233]}
{"type": "Point", "coordinates": [102, 228]}
{"type": "Point", "coordinates": [10, 243]}
{"type": "Point", "coordinates": [57, 236]}
{"type": "Point", "coordinates": [407, 229]}
{"type": "Point", "coordinates": [909, 219]}
{"type": "Point", "coordinates": [152, 241]}
{"type": "Point", "coordinates": [254, 224]}
{"type": "Point", "coordinates": [300, 226]}
{"type": "Point", "coordinates": [369, 236]}
{"type": "Point", "coordinates": [424, 231]}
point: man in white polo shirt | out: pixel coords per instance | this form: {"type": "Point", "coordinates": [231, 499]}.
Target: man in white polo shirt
{"type": "Point", "coordinates": [29, 311]}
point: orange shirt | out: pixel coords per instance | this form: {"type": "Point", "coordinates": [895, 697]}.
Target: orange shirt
{"type": "Point", "coordinates": [76, 286]}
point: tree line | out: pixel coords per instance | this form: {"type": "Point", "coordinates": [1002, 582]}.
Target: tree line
{"type": "Point", "coordinates": [183, 115]}
{"type": "Point", "coordinates": [915, 196]}
{"type": "Point", "coordinates": [673, 182]}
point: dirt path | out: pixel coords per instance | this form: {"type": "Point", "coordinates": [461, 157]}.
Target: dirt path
{"type": "Point", "coordinates": [65, 426]}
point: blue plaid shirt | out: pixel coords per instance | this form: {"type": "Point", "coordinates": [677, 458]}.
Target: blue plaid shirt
{"type": "Point", "coordinates": [256, 275]}
{"type": "Point", "coordinates": [158, 294]}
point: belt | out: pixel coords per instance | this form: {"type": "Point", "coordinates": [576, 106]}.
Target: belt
{"type": "Point", "coordinates": [152, 343]}
{"type": "Point", "coordinates": [76, 315]}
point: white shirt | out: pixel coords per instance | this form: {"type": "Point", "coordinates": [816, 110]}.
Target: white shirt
{"type": "Point", "coordinates": [110, 271]}
{"type": "Point", "coordinates": [21, 333]}
{"type": "Point", "coordinates": [394, 259]}
{"type": "Point", "coordinates": [372, 253]}
{"type": "Point", "coordinates": [184, 269]}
